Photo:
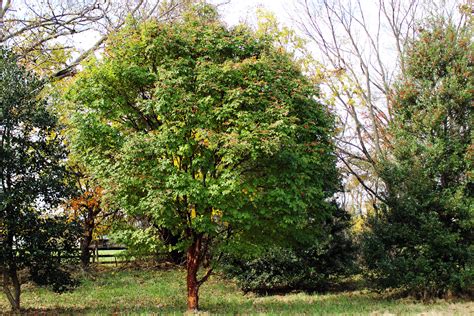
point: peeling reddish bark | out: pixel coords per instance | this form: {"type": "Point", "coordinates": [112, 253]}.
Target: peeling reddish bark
{"type": "Point", "coordinates": [193, 256]}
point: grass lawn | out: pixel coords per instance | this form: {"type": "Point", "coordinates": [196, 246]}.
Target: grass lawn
{"type": "Point", "coordinates": [117, 255]}
{"type": "Point", "coordinates": [163, 291]}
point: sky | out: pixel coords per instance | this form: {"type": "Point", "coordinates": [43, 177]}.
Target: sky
{"type": "Point", "coordinates": [244, 10]}
{"type": "Point", "coordinates": [231, 11]}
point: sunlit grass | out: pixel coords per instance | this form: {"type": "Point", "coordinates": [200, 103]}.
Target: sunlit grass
{"type": "Point", "coordinates": [118, 255]}
{"type": "Point", "coordinates": [163, 291]}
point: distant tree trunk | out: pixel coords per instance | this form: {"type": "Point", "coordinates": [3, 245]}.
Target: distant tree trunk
{"type": "Point", "coordinates": [176, 256]}
{"type": "Point", "coordinates": [85, 251]}
{"type": "Point", "coordinates": [13, 296]}
{"type": "Point", "coordinates": [169, 239]}
{"type": "Point", "coordinates": [193, 256]}
{"type": "Point", "coordinates": [10, 275]}
{"type": "Point", "coordinates": [86, 240]}
{"type": "Point", "coordinates": [16, 289]}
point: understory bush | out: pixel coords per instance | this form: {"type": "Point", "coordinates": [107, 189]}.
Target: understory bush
{"type": "Point", "coordinates": [300, 266]}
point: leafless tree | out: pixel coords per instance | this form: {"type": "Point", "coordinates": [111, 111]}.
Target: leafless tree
{"type": "Point", "coordinates": [360, 43]}
{"type": "Point", "coordinates": [41, 27]}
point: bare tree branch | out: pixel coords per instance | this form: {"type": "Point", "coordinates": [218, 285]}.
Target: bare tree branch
{"type": "Point", "coordinates": [361, 47]}
{"type": "Point", "coordinates": [27, 26]}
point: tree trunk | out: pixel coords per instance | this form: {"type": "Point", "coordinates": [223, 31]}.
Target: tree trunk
{"type": "Point", "coordinates": [13, 298]}
{"type": "Point", "coordinates": [10, 275]}
{"type": "Point", "coordinates": [88, 232]}
{"type": "Point", "coordinates": [85, 251]}
{"type": "Point", "coordinates": [16, 289]}
{"type": "Point", "coordinates": [192, 264]}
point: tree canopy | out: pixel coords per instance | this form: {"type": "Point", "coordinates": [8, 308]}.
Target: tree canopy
{"type": "Point", "coordinates": [209, 131]}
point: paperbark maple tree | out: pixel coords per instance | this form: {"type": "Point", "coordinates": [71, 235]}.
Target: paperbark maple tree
{"type": "Point", "coordinates": [211, 132]}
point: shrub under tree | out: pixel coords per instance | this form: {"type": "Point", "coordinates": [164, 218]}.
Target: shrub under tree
{"type": "Point", "coordinates": [314, 264]}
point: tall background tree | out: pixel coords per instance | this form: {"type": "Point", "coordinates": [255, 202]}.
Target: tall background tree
{"type": "Point", "coordinates": [88, 209]}
{"type": "Point", "coordinates": [360, 48]}
{"type": "Point", "coordinates": [423, 241]}
{"type": "Point", "coordinates": [33, 184]}
{"type": "Point", "coordinates": [210, 132]}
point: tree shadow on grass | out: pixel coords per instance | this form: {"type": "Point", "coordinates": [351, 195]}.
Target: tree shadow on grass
{"type": "Point", "coordinates": [291, 304]}
{"type": "Point", "coordinates": [301, 303]}
{"type": "Point", "coordinates": [101, 310]}
{"type": "Point", "coordinates": [330, 304]}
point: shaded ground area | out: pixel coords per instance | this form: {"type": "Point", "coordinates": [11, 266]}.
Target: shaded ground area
{"type": "Point", "coordinates": [163, 291]}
